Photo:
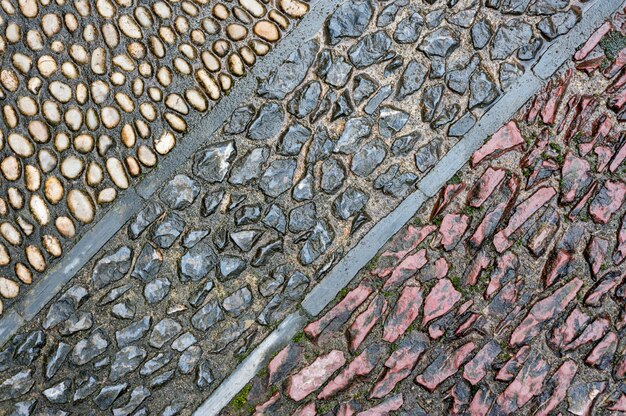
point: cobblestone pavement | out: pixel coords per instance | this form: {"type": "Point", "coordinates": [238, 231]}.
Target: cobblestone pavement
{"type": "Point", "coordinates": [330, 143]}
{"type": "Point", "coordinates": [94, 93]}
{"type": "Point", "coordinates": [506, 293]}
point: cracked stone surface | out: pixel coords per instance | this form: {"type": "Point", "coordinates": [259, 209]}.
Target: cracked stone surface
{"type": "Point", "coordinates": [330, 143]}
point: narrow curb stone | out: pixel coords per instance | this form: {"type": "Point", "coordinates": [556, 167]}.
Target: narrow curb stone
{"type": "Point", "coordinates": [347, 268]}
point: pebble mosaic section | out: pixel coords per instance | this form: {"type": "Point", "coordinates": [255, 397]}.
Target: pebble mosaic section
{"type": "Point", "coordinates": [506, 294]}
{"type": "Point", "coordinates": [95, 92]}
{"type": "Point", "coordinates": [229, 246]}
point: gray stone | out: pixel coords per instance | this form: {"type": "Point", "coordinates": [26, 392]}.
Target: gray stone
{"type": "Point", "coordinates": [25, 408]}
{"type": "Point", "coordinates": [197, 262]}
{"type": "Point", "coordinates": [29, 347]}
{"type": "Point", "coordinates": [303, 191]}
{"type": "Point", "coordinates": [205, 376]}
{"type": "Point", "coordinates": [529, 51]}
{"type": "Point", "coordinates": [59, 393]}
{"type": "Point", "coordinates": [509, 37]}
{"type": "Point", "coordinates": [277, 178]}
{"type": "Point", "coordinates": [446, 115]}
{"type": "Point", "coordinates": [165, 233]}
{"type": "Point", "coordinates": [148, 263]}
{"type": "Point", "coordinates": [431, 98]}
{"type": "Point", "coordinates": [349, 20]}
{"type": "Point", "coordinates": [509, 73]}
{"type": "Point", "coordinates": [481, 33]}
{"type": "Point", "coordinates": [370, 49]}
{"type": "Point", "coordinates": [394, 182]}
{"type": "Point", "coordinates": [207, 316]}
{"type": "Point", "coordinates": [156, 363]}
{"type": "Point", "coordinates": [56, 359]}
{"type": "Point", "coordinates": [483, 90]}
{"type": "Point", "coordinates": [184, 341]}
{"type": "Point", "coordinates": [249, 167]}
{"type": "Point", "coordinates": [248, 214]}
{"type": "Point", "coordinates": [343, 107]}
{"type": "Point", "coordinates": [126, 360]}
{"type": "Point", "coordinates": [321, 146]}
{"type": "Point", "coordinates": [162, 379]}
{"type": "Point", "coordinates": [137, 396]}
{"type": "Point", "coordinates": [238, 302]}
{"type": "Point", "coordinates": [427, 155]}
{"type": "Point", "coordinates": [412, 79]}
{"type": "Point", "coordinates": [108, 394]}
{"type": "Point", "coordinates": [89, 348]}
{"type": "Point", "coordinates": [65, 306]}
{"type": "Point", "coordinates": [403, 145]}
{"type": "Point", "coordinates": [391, 121]}
{"type": "Point", "coordinates": [189, 359]}
{"type": "Point", "coordinates": [112, 267]}
{"type": "Point", "coordinates": [458, 79]}
{"type": "Point", "coordinates": [275, 218]}
{"type": "Point", "coordinates": [114, 294]}
{"type": "Point", "coordinates": [547, 7]}
{"type": "Point", "coordinates": [293, 139]}
{"type": "Point", "coordinates": [442, 42]}
{"type": "Point", "coordinates": [364, 87]}
{"type": "Point", "coordinates": [335, 71]}
{"type": "Point", "coordinates": [230, 267]}
{"type": "Point", "coordinates": [265, 251]}
{"type": "Point", "coordinates": [156, 290]}
{"type": "Point", "coordinates": [123, 310]}
{"type": "Point", "coordinates": [180, 192]}
{"type": "Point", "coordinates": [514, 6]}
{"type": "Point", "coordinates": [210, 202]}
{"type": "Point", "coordinates": [559, 23]}
{"type": "Point", "coordinates": [213, 162]}
{"type": "Point", "coordinates": [388, 14]}
{"type": "Point", "coordinates": [318, 242]}
{"type": "Point", "coordinates": [434, 18]}
{"type": "Point", "coordinates": [268, 122]}
{"type": "Point", "coordinates": [333, 175]}
{"type": "Point", "coordinates": [290, 73]}
{"type": "Point", "coordinates": [245, 239]}
{"type": "Point", "coordinates": [17, 385]}
{"type": "Point", "coordinates": [132, 332]}
{"type": "Point", "coordinates": [462, 125]}
{"type": "Point", "coordinates": [355, 130]}
{"type": "Point", "coordinates": [280, 305]}
{"type": "Point", "coordinates": [193, 237]}
{"type": "Point", "coordinates": [408, 29]}
{"type": "Point", "coordinates": [302, 218]}
{"type": "Point", "coordinates": [239, 120]}
{"type": "Point", "coordinates": [367, 159]}
{"type": "Point", "coordinates": [85, 386]}
{"type": "Point", "coordinates": [270, 285]}
{"type": "Point", "coordinates": [79, 321]}
{"type": "Point", "coordinates": [164, 331]}
{"type": "Point", "coordinates": [305, 100]}
{"type": "Point", "coordinates": [381, 95]}
{"type": "Point", "coordinates": [148, 214]}
{"type": "Point", "coordinates": [349, 202]}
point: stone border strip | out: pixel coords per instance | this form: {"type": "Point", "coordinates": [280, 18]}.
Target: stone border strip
{"type": "Point", "coordinates": [347, 268]}
{"type": "Point", "coordinates": [131, 201]}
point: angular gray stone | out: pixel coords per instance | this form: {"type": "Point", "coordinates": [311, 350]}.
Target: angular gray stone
{"type": "Point", "coordinates": [108, 394]}
{"type": "Point", "coordinates": [189, 359]}
{"type": "Point", "coordinates": [207, 316]}
{"type": "Point", "coordinates": [148, 263]}
{"type": "Point", "coordinates": [126, 361]}
{"type": "Point", "coordinates": [164, 331]}
{"type": "Point", "coordinates": [481, 33]}
{"type": "Point", "coordinates": [277, 178]}
{"type": "Point", "coordinates": [56, 359]}
{"type": "Point", "coordinates": [427, 155]}
{"type": "Point", "coordinates": [412, 79]}
{"type": "Point", "coordinates": [290, 73]}
{"type": "Point", "coordinates": [391, 121]}
{"type": "Point", "coordinates": [17, 385]}
{"type": "Point", "coordinates": [367, 159]}
{"type": "Point", "coordinates": [148, 214]}
{"type": "Point", "coordinates": [132, 332]}
{"type": "Point", "coordinates": [156, 290]}
{"type": "Point", "coordinates": [483, 90]}
{"type": "Point", "coordinates": [197, 262]}
{"type": "Point", "coordinates": [156, 363]}
{"type": "Point", "coordinates": [333, 175]}
{"type": "Point", "coordinates": [89, 348]}
{"type": "Point", "coordinates": [335, 71]}
{"type": "Point", "coordinates": [355, 130]}
{"type": "Point", "coordinates": [137, 396]}
{"type": "Point", "coordinates": [509, 36]}
{"type": "Point", "coordinates": [364, 87]}
{"type": "Point", "coordinates": [230, 267]}
{"type": "Point", "coordinates": [320, 239]}
{"type": "Point", "coordinates": [293, 139]}
{"type": "Point", "coordinates": [213, 162]}
{"type": "Point", "coordinates": [394, 182]}
{"type": "Point", "coordinates": [59, 393]}
{"type": "Point", "coordinates": [302, 218]}
{"type": "Point", "coordinates": [165, 233]}
{"type": "Point", "coordinates": [305, 100]}
{"type": "Point", "coordinates": [442, 42]}
{"type": "Point", "coordinates": [559, 23]}
{"type": "Point", "coordinates": [239, 120]}
{"type": "Point", "coordinates": [180, 192]}
{"type": "Point", "coordinates": [408, 29]}
{"type": "Point", "coordinates": [112, 267]}
{"type": "Point", "coordinates": [276, 219]}
{"type": "Point", "coordinates": [349, 202]}
{"type": "Point", "coordinates": [249, 167]}
{"type": "Point", "coordinates": [349, 20]}
{"type": "Point", "coordinates": [370, 49]}
{"type": "Point", "coordinates": [268, 122]}
{"type": "Point", "coordinates": [238, 302]}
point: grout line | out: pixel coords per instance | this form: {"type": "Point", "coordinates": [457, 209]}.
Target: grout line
{"type": "Point", "coordinates": [348, 267]}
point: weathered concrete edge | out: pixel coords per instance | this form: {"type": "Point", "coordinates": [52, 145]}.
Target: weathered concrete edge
{"type": "Point", "coordinates": [254, 362]}
{"type": "Point", "coordinates": [33, 301]}
{"type": "Point", "coordinates": [348, 267]}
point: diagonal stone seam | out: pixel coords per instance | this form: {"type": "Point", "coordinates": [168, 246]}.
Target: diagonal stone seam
{"type": "Point", "coordinates": [132, 200]}
{"type": "Point", "coordinates": [554, 58]}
